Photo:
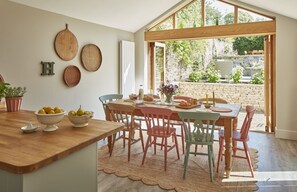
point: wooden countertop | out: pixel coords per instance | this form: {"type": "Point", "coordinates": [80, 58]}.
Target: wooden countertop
{"type": "Point", "coordinates": [25, 152]}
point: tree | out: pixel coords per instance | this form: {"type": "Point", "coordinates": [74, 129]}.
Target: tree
{"type": "Point", "coordinates": [244, 45]}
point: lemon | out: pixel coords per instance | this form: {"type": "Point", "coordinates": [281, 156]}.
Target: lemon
{"type": "Point", "coordinates": [72, 113]}
{"type": "Point", "coordinates": [51, 111]}
{"type": "Point", "coordinates": [41, 111]}
{"type": "Point", "coordinates": [58, 110]}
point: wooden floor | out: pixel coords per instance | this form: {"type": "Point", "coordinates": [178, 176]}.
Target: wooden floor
{"type": "Point", "coordinates": [277, 168]}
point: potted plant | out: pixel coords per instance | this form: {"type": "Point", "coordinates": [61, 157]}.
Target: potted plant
{"type": "Point", "coordinates": [13, 97]}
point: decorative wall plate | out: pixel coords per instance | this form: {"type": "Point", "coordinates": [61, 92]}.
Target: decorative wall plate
{"type": "Point", "coordinates": [66, 45]}
{"type": "Point", "coordinates": [91, 57]}
{"type": "Point", "coordinates": [71, 75]}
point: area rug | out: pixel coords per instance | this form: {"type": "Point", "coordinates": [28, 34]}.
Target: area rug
{"type": "Point", "coordinates": [197, 179]}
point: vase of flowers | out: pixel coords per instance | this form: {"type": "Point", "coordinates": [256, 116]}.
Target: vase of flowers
{"type": "Point", "coordinates": [168, 90]}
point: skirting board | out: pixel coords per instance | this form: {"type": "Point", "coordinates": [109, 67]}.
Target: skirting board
{"type": "Point", "coordinates": [286, 134]}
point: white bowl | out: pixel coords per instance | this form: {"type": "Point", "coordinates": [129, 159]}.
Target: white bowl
{"type": "Point", "coordinates": [50, 120]}
{"type": "Point", "coordinates": [80, 121]}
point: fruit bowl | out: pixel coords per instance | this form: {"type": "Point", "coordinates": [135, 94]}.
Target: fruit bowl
{"type": "Point", "coordinates": [82, 120]}
{"type": "Point", "coordinates": [50, 120]}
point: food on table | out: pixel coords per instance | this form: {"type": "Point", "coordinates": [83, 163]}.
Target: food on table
{"type": "Point", "coordinates": [148, 98]}
{"type": "Point", "coordinates": [50, 110]}
{"type": "Point", "coordinates": [80, 112]}
{"type": "Point", "coordinates": [185, 103]}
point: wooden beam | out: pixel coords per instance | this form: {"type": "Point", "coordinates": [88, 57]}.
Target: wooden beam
{"type": "Point", "coordinates": [267, 83]}
{"type": "Point", "coordinates": [273, 82]}
{"type": "Point", "coordinates": [202, 13]}
{"type": "Point", "coordinates": [235, 15]}
{"type": "Point", "coordinates": [241, 29]}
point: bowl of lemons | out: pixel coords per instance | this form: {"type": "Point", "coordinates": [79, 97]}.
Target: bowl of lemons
{"type": "Point", "coordinates": [80, 117]}
{"type": "Point", "coordinates": [50, 117]}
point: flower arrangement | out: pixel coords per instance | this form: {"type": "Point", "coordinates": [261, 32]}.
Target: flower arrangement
{"type": "Point", "coordinates": [169, 89]}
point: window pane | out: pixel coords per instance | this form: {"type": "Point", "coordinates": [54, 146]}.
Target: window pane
{"type": "Point", "coordinates": [190, 16]}
{"type": "Point", "coordinates": [218, 13]}
{"type": "Point", "coordinates": [248, 16]}
{"type": "Point", "coordinates": [167, 24]}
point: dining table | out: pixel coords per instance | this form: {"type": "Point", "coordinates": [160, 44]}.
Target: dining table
{"type": "Point", "coordinates": [228, 119]}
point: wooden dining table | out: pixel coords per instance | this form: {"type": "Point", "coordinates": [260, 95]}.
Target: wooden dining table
{"type": "Point", "coordinates": [228, 120]}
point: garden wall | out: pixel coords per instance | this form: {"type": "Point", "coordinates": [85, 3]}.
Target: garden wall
{"type": "Point", "coordinates": [243, 94]}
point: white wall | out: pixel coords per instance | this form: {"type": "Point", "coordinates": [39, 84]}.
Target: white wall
{"type": "Point", "coordinates": [286, 73]}
{"type": "Point", "coordinates": [27, 38]}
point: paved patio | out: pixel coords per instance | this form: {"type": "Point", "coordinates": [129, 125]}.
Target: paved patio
{"type": "Point", "coordinates": [258, 122]}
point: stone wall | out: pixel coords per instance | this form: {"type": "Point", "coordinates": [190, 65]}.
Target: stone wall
{"type": "Point", "coordinates": [234, 93]}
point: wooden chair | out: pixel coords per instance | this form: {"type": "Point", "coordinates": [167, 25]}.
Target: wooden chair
{"type": "Point", "coordinates": [158, 127]}
{"type": "Point", "coordinates": [239, 136]}
{"type": "Point", "coordinates": [125, 114]}
{"type": "Point", "coordinates": [106, 99]}
{"type": "Point", "coordinates": [179, 123]}
{"type": "Point", "coordinates": [199, 133]}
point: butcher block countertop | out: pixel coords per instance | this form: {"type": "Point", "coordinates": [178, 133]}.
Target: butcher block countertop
{"type": "Point", "coordinates": [26, 152]}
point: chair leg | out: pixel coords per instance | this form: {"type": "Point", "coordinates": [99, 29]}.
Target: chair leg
{"type": "Point", "coordinates": [209, 162]}
{"type": "Point", "coordinates": [182, 139]}
{"type": "Point", "coordinates": [129, 143]}
{"type": "Point", "coordinates": [112, 144]}
{"type": "Point", "coordinates": [186, 159]}
{"type": "Point", "coordinates": [155, 145]}
{"type": "Point", "coordinates": [145, 149]}
{"type": "Point", "coordinates": [221, 143]}
{"type": "Point", "coordinates": [124, 138]}
{"type": "Point", "coordinates": [165, 154]}
{"type": "Point", "coordinates": [176, 145]}
{"type": "Point", "coordinates": [247, 154]}
{"type": "Point", "coordinates": [141, 138]}
{"type": "Point", "coordinates": [213, 163]}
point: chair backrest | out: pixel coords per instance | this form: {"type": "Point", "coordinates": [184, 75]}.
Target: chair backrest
{"type": "Point", "coordinates": [122, 113]}
{"type": "Point", "coordinates": [157, 120]}
{"type": "Point", "coordinates": [217, 100]}
{"type": "Point", "coordinates": [250, 111]}
{"type": "Point", "coordinates": [107, 98]}
{"type": "Point", "coordinates": [186, 98]}
{"type": "Point", "coordinates": [202, 129]}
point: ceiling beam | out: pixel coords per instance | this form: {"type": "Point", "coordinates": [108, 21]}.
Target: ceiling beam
{"type": "Point", "coordinates": [219, 31]}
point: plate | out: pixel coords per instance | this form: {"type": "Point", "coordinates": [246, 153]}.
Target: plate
{"type": "Point", "coordinates": [91, 57]}
{"type": "Point", "coordinates": [30, 130]}
{"type": "Point", "coordinates": [71, 75]}
{"type": "Point", "coordinates": [221, 109]}
{"type": "Point", "coordinates": [186, 107]}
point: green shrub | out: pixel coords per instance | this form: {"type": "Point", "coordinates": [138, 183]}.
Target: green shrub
{"type": "Point", "coordinates": [212, 75]}
{"type": "Point", "coordinates": [258, 78]}
{"type": "Point", "coordinates": [196, 76]}
{"type": "Point", "coordinates": [237, 74]}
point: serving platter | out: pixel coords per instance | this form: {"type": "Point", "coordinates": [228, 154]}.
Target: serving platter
{"type": "Point", "coordinates": [71, 75]}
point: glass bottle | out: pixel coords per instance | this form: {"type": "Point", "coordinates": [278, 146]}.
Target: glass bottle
{"type": "Point", "coordinates": [140, 94]}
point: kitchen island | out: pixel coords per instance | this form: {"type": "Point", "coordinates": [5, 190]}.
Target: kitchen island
{"type": "Point", "coordinates": [62, 160]}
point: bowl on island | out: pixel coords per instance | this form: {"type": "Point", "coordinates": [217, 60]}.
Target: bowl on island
{"type": "Point", "coordinates": [50, 120]}
{"type": "Point", "coordinates": [81, 120]}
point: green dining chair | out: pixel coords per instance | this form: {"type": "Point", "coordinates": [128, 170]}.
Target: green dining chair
{"type": "Point", "coordinates": [106, 99]}
{"type": "Point", "coordinates": [199, 130]}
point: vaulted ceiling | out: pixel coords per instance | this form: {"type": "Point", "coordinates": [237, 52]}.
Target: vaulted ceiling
{"type": "Point", "coordinates": [132, 15]}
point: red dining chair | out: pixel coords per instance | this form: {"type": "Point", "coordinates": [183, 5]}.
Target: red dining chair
{"type": "Point", "coordinates": [125, 114]}
{"type": "Point", "coordinates": [158, 127]}
{"type": "Point", "coordinates": [239, 136]}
